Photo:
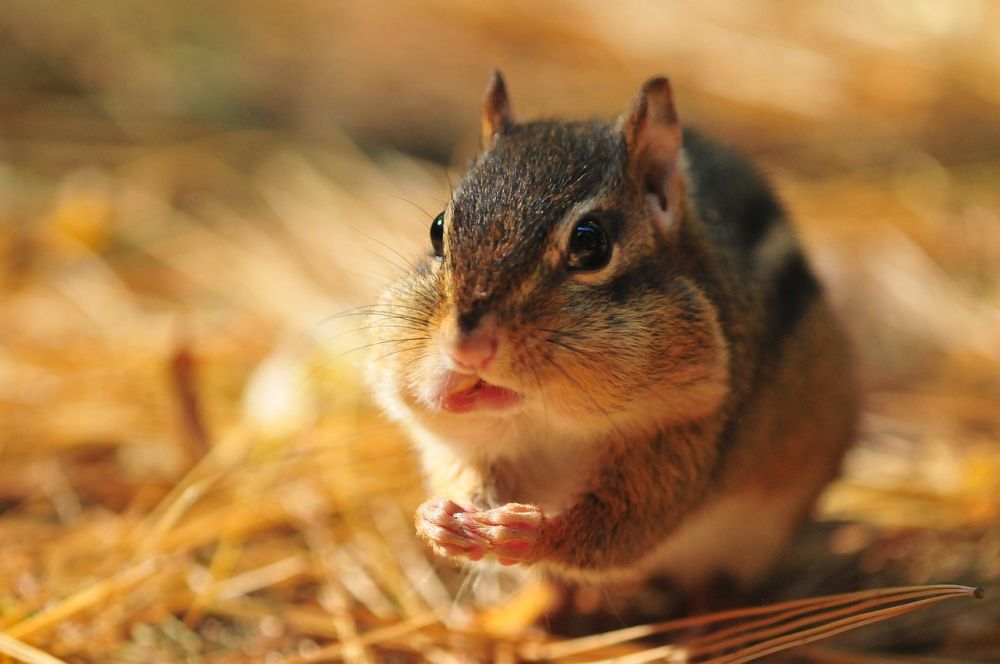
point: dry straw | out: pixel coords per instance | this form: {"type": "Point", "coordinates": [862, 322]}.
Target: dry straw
{"type": "Point", "coordinates": [189, 468]}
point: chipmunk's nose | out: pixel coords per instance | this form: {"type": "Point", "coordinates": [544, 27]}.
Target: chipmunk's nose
{"type": "Point", "coordinates": [474, 350]}
{"type": "Point", "coordinates": [474, 339]}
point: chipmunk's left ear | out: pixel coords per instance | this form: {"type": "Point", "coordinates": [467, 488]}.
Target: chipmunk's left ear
{"type": "Point", "coordinates": [653, 138]}
{"type": "Point", "coordinates": [497, 116]}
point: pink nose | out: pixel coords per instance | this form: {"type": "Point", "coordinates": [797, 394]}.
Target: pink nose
{"type": "Point", "coordinates": [474, 351]}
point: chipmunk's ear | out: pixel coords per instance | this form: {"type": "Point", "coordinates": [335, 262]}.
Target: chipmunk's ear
{"type": "Point", "coordinates": [653, 138]}
{"type": "Point", "coordinates": [497, 116]}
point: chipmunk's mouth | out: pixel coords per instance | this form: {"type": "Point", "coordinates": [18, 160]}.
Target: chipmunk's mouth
{"type": "Point", "coordinates": [462, 393]}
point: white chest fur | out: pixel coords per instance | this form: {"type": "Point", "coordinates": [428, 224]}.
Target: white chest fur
{"type": "Point", "coordinates": [531, 458]}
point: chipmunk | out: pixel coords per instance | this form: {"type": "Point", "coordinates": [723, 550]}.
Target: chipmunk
{"type": "Point", "coordinates": [615, 359]}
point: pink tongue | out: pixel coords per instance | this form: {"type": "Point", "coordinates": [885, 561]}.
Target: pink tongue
{"type": "Point", "coordinates": [469, 392]}
{"type": "Point", "coordinates": [494, 396]}
{"type": "Point", "coordinates": [463, 400]}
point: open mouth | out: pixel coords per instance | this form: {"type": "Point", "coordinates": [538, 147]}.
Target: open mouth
{"type": "Point", "coordinates": [473, 392]}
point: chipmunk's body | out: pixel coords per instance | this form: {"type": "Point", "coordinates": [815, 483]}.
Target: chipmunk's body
{"type": "Point", "coordinates": [618, 359]}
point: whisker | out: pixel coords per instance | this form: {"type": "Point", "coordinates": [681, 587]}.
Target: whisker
{"type": "Point", "coordinates": [392, 315]}
{"type": "Point", "coordinates": [451, 188]}
{"type": "Point", "coordinates": [406, 260]}
{"type": "Point", "coordinates": [562, 333]}
{"type": "Point", "coordinates": [407, 200]}
{"type": "Point", "coordinates": [545, 402]}
{"type": "Point", "coordinates": [365, 328]}
{"type": "Point", "coordinates": [416, 357]}
{"type": "Point", "coordinates": [384, 259]}
{"type": "Point", "coordinates": [397, 305]}
{"type": "Point", "coordinates": [380, 343]}
{"type": "Point", "coordinates": [569, 347]}
{"type": "Point", "coordinates": [612, 606]}
{"type": "Point", "coordinates": [465, 587]}
{"type": "Point", "coordinates": [350, 311]}
{"type": "Point", "coordinates": [588, 394]}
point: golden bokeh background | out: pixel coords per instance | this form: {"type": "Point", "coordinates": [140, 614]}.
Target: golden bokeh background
{"type": "Point", "coordinates": [190, 192]}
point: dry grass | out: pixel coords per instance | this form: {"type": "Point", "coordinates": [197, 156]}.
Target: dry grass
{"type": "Point", "coordinates": [190, 469]}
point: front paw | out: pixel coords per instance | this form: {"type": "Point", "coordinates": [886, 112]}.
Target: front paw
{"type": "Point", "coordinates": [510, 531]}
{"type": "Point", "coordinates": [437, 523]}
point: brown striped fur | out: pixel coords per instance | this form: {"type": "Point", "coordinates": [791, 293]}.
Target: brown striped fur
{"type": "Point", "coordinates": [683, 406]}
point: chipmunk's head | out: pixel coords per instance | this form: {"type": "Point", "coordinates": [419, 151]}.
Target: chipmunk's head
{"type": "Point", "coordinates": [561, 285]}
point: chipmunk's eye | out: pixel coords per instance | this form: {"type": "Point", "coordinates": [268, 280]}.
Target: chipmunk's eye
{"type": "Point", "coordinates": [589, 248]}
{"type": "Point", "coordinates": [437, 235]}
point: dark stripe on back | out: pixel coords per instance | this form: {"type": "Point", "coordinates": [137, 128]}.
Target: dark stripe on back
{"type": "Point", "coordinates": [736, 203]}
{"type": "Point", "coordinates": [762, 211]}
{"type": "Point", "coordinates": [795, 288]}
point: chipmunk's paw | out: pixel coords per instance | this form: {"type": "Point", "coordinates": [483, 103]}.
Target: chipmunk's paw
{"type": "Point", "coordinates": [437, 524]}
{"type": "Point", "coordinates": [510, 530]}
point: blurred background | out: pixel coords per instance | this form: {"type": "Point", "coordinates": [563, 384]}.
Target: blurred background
{"type": "Point", "coordinates": [190, 192]}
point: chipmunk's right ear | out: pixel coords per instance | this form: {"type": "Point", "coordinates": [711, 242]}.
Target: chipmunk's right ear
{"type": "Point", "coordinates": [497, 116]}
{"type": "Point", "coordinates": [653, 138]}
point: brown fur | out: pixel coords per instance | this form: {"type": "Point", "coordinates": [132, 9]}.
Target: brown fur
{"type": "Point", "coordinates": [697, 385]}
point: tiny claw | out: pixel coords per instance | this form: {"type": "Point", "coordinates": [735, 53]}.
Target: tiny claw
{"type": "Point", "coordinates": [511, 515]}
{"type": "Point", "coordinates": [439, 510]}
{"type": "Point", "coordinates": [436, 522]}
{"type": "Point", "coordinates": [509, 531]}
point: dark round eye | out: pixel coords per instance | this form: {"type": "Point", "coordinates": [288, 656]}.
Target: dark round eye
{"type": "Point", "coordinates": [437, 235]}
{"type": "Point", "coordinates": [589, 248]}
